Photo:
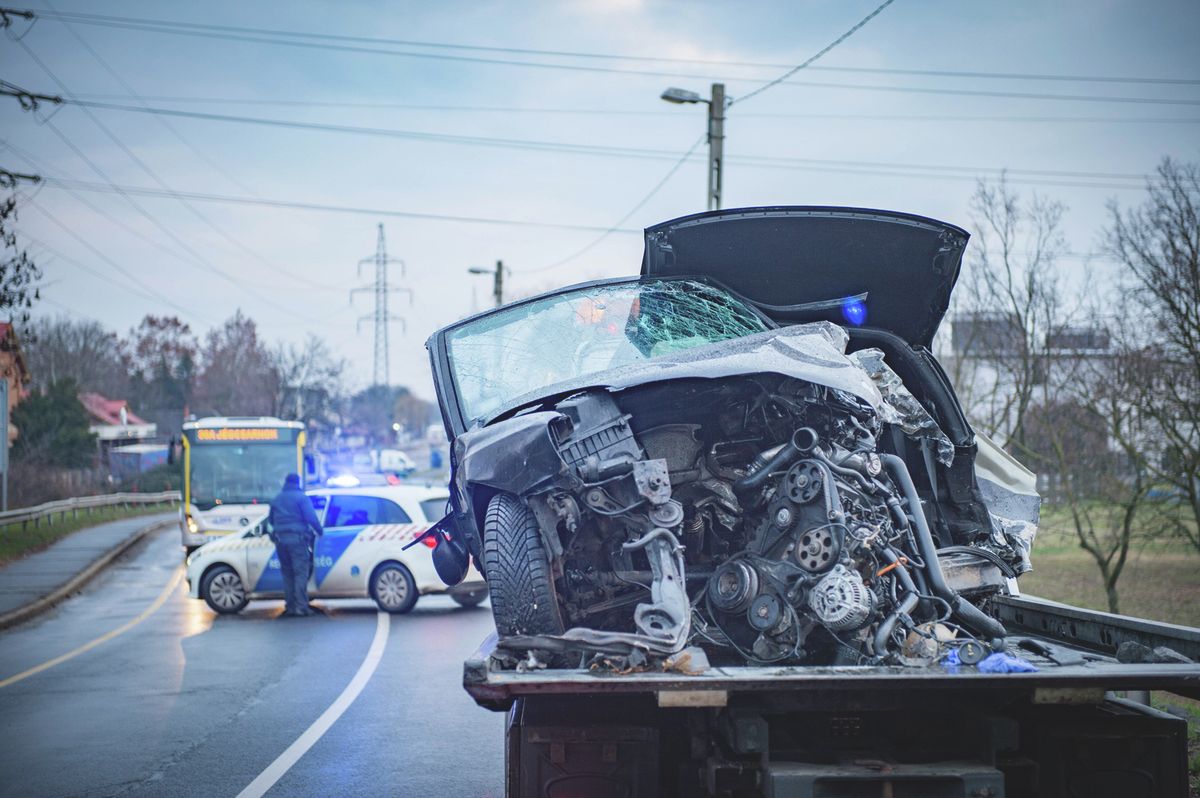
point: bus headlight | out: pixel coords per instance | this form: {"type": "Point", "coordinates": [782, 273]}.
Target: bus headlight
{"type": "Point", "coordinates": [192, 526]}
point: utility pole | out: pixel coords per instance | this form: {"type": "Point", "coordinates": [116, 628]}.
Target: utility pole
{"type": "Point", "coordinates": [716, 134]}
{"type": "Point", "coordinates": [716, 145]}
{"type": "Point", "coordinates": [382, 316]}
{"type": "Point", "coordinates": [497, 280]}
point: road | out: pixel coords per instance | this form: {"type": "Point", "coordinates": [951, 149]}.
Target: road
{"type": "Point", "coordinates": [185, 702]}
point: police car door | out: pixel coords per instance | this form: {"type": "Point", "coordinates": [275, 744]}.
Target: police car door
{"type": "Point", "coordinates": [262, 561]}
{"type": "Point", "coordinates": [356, 529]}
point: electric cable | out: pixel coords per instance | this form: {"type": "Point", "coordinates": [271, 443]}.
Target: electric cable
{"type": "Point", "coordinates": [201, 261]}
{"type": "Point", "coordinates": [213, 164]}
{"type": "Point", "coordinates": [165, 26]}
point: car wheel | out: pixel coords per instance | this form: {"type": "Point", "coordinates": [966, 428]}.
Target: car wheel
{"type": "Point", "coordinates": [470, 598]}
{"type": "Point", "coordinates": [223, 591]}
{"type": "Point", "coordinates": [517, 567]}
{"type": "Point", "coordinates": [393, 588]}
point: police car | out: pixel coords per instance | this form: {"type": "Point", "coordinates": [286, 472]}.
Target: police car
{"type": "Point", "coordinates": [361, 554]}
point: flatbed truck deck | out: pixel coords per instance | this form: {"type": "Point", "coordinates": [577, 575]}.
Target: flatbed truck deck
{"type": "Point", "coordinates": [871, 730]}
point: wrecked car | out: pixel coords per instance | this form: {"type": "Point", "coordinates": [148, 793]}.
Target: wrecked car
{"type": "Point", "coordinates": [748, 448]}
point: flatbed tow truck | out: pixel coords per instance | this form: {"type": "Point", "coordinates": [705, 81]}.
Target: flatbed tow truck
{"type": "Point", "coordinates": [850, 731]}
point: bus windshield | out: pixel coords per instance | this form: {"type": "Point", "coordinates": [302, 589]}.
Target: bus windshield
{"type": "Point", "coordinates": [239, 474]}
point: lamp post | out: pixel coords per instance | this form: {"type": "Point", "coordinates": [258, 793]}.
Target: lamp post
{"type": "Point", "coordinates": [716, 134]}
{"type": "Point", "coordinates": [497, 280]}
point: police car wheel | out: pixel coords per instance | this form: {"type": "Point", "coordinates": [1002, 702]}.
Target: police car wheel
{"type": "Point", "coordinates": [472, 598]}
{"type": "Point", "coordinates": [393, 588]}
{"type": "Point", "coordinates": [223, 590]}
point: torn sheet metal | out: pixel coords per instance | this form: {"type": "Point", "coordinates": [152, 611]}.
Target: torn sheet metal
{"type": "Point", "coordinates": [900, 406]}
{"type": "Point", "coordinates": [1009, 490]}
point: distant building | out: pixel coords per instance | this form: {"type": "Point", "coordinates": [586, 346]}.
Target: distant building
{"type": "Point", "coordinates": [114, 424]}
{"type": "Point", "coordinates": [13, 369]}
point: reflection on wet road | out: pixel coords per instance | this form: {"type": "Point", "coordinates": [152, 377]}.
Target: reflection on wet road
{"type": "Point", "coordinates": [188, 703]}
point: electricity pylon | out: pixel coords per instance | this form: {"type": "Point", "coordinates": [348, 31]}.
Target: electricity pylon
{"type": "Point", "coordinates": [382, 316]}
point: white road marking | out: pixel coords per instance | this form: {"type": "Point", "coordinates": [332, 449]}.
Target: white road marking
{"type": "Point", "coordinates": [275, 771]}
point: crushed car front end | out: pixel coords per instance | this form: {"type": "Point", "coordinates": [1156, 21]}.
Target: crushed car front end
{"type": "Point", "coordinates": [657, 464]}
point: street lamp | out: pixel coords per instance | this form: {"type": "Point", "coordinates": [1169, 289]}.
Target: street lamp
{"type": "Point", "coordinates": [716, 134]}
{"type": "Point", "coordinates": [497, 280]}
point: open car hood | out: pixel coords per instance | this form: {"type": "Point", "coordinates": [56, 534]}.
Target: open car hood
{"type": "Point", "coordinates": [815, 263]}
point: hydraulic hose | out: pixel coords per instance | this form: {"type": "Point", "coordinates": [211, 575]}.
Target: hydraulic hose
{"type": "Point", "coordinates": [906, 605]}
{"type": "Point", "coordinates": [966, 612]}
{"type": "Point", "coordinates": [802, 442]}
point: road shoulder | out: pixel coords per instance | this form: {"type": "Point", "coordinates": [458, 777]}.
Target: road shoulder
{"type": "Point", "coordinates": [36, 583]}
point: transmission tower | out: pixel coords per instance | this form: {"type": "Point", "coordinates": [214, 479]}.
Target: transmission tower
{"type": "Point", "coordinates": [382, 316]}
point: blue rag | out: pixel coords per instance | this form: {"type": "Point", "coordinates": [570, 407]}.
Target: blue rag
{"type": "Point", "coordinates": [1005, 663]}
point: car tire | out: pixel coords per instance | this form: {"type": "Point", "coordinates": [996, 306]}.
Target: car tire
{"type": "Point", "coordinates": [517, 567]}
{"type": "Point", "coordinates": [223, 591]}
{"type": "Point", "coordinates": [393, 588]}
{"type": "Point", "coordinates": [470, 598]}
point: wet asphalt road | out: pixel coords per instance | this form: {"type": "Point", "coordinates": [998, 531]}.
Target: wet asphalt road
{"type": "Point", "coordinates": [190, 703]}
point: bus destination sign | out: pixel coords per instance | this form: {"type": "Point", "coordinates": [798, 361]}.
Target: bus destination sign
{"type": "Point", "coordinates": [239, 434]}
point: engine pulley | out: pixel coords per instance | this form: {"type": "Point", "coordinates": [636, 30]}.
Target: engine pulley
{"type": "Point", "coordinates": [816, 550]}
{"type": "Point", "coordinates": [803, 482]}
{"type": "Point", "coordinates": [733, 586]}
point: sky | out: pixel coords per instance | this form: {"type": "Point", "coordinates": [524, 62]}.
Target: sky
{"type": "Point", "coordinates": [481, 159]}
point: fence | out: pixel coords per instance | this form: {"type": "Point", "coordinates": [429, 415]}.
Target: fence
{"type": "Point", "coordinates": [46, 513]}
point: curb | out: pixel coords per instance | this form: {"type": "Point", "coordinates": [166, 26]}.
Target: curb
{"type": "Point", "coordinates": [40, 605]}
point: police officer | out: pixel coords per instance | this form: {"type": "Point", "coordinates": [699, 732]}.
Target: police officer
{"type": "Point", "coordinates": [294, 527]}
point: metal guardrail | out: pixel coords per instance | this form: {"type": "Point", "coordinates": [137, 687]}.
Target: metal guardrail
{"type": "Point", "coordinates": [46, 513]}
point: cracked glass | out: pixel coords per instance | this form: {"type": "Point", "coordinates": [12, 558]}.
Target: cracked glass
{"type": "Point", "coordinates": [521, 349]}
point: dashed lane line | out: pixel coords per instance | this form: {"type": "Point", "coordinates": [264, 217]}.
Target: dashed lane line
{"type": "Point", "coordinates": [104, 638]}
{"type": "Point", "coordinates": [275, 771]}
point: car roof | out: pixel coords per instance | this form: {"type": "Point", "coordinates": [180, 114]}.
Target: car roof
{"type": "Point", "coordinates": [396, 492]}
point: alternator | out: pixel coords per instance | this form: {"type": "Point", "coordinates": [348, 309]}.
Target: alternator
{"type": "Point", "coordinates": [841, 600]}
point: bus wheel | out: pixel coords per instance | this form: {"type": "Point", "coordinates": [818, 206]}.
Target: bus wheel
{"type": "Point", "coordinates": [223, 591]}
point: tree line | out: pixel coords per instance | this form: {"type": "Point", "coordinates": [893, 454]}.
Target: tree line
{"type": "Point", "coordinates": [166, 372]}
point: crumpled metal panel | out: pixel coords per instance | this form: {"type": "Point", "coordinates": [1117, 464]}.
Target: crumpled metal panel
{"type": "Point", "coordinates": [900, 407]}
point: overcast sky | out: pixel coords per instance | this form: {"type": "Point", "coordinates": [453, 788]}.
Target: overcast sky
{"type": "Point", "coordinates": [876, 139]}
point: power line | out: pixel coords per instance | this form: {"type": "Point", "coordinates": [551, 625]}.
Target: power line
{"type": "Point", "coordinates": [121, 21]}
{"type": "Point", "coordinates": [502, 109]}
{"type": "Point", "coordinates": [203, 31]}
{"type": "Point", "coordinates": [581, 148]}
{"type": "Point", "coordinates": [146, 291]}
{"type": "Point", "coordinates": [213, 164]}
{"type": "Point", "coordinates": [313, 206]}
{"type": "Point", "coordinates": [201, 261]}
{"type": "Point", "coordinates": [617, 225]}
{"type": "Point", "coordinates": [857, 27]}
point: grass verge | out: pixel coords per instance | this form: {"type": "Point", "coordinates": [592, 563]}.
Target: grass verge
{"type": "Point", "coordinates": [16, 543]}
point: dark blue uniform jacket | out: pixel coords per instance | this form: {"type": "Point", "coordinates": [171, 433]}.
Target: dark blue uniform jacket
{"type": "Point", "coordinates": [292, 512]}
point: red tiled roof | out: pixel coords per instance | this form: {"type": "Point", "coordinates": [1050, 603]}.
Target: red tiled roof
{"type": "Point", "coordinates": [108, 411]}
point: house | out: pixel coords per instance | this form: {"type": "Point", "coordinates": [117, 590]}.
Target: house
{"type": "Point", "coordinates": [114, 424]}
{"type": "Point", "coordinates": [14, 371]}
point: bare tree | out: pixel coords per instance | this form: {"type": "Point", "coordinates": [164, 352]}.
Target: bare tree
{"type": "Point", "coordinates": [1158, 243]}
{"type": "Point", "coordinates": [238, 377]}
{"type": "Point", "coordinates": [1084, 441]}
{"type": "Point", "coordinates": [310, 380]}
{"type": "Point", "coordinates": [1010, 306]}
{"type": "Point", "coordinates": [19, 275]}
{"type": "Point", "coordinates": [62, 348]}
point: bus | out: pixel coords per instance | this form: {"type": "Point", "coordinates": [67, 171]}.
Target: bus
{"type": "Point", "coordinates": [232, 468]}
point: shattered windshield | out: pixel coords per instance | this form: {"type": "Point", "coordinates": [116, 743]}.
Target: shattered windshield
{"type": "Point", "coordinates": [563, 337]}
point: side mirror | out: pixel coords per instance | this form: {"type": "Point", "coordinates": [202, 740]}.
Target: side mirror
{"type": "Point", "coordinates": [450, 556]}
